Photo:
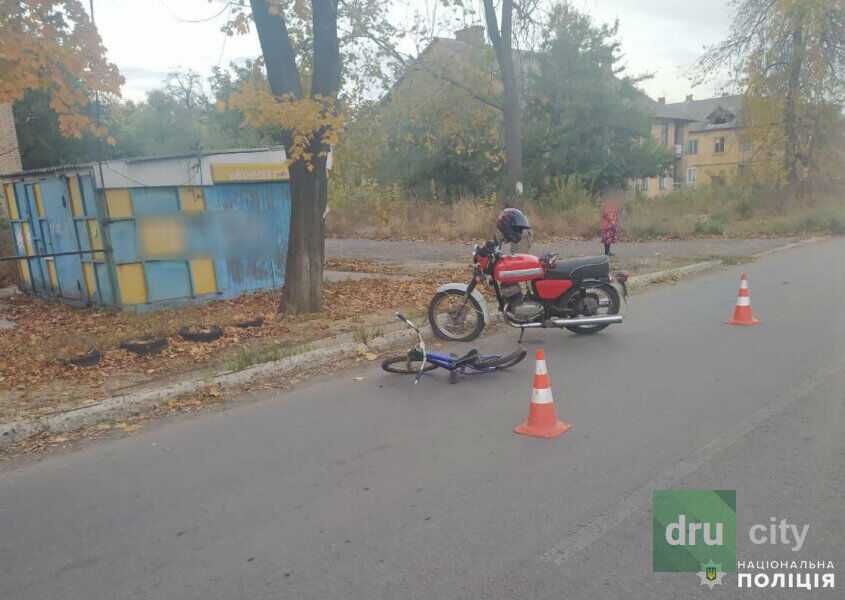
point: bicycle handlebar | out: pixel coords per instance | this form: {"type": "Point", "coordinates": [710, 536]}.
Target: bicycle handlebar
{"type": "Point", "coordinates": [408, 322]}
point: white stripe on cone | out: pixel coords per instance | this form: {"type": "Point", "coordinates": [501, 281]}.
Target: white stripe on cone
{"type": "Point", "coordinates": [743, 301]}
{"type": "Point", "coordinates": [541, 367]}
{"type": "Point", "coordinates": [743, 285]}
{"type": "Point", "coordinates": [542, 396]}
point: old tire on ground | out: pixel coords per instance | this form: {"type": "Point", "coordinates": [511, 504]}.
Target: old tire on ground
{"type": "Point", "coordinates": [143, 346]}
{"type": "Point", "coordinates": [205, 334]}
{"type": "Point", "coordinates": [88, 359]}
{"type": "Point", "coordinates": [256, 322]}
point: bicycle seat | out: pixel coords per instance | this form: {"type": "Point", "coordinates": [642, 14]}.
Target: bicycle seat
{"type": "Point", "coordinates": [467, 358]}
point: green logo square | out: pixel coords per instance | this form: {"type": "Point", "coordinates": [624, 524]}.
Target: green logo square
{"type": "Point", "coordinates": [691, 528]}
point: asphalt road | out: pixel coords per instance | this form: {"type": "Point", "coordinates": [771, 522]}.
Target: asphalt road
{"type": "Point", "coordinates": [381, 489]}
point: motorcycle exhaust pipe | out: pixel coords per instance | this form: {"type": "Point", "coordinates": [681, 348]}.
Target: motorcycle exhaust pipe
{"type": "Point", "coordinates": [597, 320]}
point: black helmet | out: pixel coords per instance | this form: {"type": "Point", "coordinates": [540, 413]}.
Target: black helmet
{"type": "Point", "coordinates": [512, 223]}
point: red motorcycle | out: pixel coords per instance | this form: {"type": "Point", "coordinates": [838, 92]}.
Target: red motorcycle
{"type": "Point", "coordinates": [578, 294]}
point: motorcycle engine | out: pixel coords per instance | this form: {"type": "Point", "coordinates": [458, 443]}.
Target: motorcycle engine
{"type": "Point", "coordinates": [517, 308]}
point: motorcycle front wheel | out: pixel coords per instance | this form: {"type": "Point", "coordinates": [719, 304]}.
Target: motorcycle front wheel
{"type": "Point", "coordinates": [455, 317]}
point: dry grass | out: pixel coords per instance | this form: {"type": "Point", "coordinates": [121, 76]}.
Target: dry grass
{"type": "Point", "coordinates": [731, 211]}
{"type": "Point", "coordinates": [374, 213]}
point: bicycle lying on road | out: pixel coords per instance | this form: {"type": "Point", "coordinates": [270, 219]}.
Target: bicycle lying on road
{"type": "Point", "coordinates": [418, 360]}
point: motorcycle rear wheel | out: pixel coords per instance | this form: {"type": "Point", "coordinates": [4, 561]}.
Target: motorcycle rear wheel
{"type": "Point", "coordinates": [613, 309]}
{"type": "Point", "coordinates": [453, 319]}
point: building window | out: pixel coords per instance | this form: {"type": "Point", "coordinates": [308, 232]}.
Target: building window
{"type": "Point", "coordinates": [720, 145]}
{"type": "Point", "coordinates": [664, 134]}
{"type": "Point", "coordinates": [691, 175]}
{"type": "Point", "coordinates": [692, 147]}
{"type": "Point", "coordinates": [664, 183]}
{"type": "Point", "coordinates": [645, 184]}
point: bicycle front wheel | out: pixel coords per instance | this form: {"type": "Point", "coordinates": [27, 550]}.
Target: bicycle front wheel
{"type": "Point", "coordinates": [402, 365]}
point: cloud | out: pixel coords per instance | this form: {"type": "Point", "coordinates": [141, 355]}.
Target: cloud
{"type": "Point", "coordinates": [151, 38]}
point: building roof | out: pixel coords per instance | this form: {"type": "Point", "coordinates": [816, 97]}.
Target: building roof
{"type": "Point", "coordinates": [701, 113]}
{"type": "Point", "coordinates": [175, 169]}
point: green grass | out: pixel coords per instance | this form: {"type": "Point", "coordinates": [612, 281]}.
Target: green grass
{"type": "Point", "coordinates": [364, 335]}
{"type": "Point", "coordinates": [248, 357]}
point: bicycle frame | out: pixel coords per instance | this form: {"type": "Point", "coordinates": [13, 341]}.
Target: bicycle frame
{"type": "Point", "coordinates": [444, 361]}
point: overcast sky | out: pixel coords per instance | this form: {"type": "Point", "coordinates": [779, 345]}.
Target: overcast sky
{"type": "Point", "coordinates": [149, 38]}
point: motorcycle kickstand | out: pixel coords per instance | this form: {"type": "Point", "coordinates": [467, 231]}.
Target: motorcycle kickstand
{"type": "Point", "coordinates": [453, 376]}
{"type": "Point", "coordinates": [521, 334]}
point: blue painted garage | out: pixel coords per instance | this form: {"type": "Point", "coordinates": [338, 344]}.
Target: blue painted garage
{"type": "Point", "coordinates": [153, 232]}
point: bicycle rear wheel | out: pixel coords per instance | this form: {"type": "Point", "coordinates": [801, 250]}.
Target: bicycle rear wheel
{"type": "Point", "coordinates": [499, 362]}
{"type": "Point", "coordinates": [402, 365]}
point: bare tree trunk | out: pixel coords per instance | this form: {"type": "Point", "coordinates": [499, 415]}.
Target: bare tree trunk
{"type": "Point", "coordinates": [790, 118]}
{"type": "Point", "coordinates": [309, 193]}
{"type": "Point", "coordinates": [279, 56]}
{"type": "Point", "coordinates": [306, 248]}
{"type": "Point", "coordinates": [502, 39]}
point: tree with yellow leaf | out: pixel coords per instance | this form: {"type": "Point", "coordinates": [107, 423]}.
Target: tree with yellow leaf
{"type": "Point", "coordinates": [789, 57]}
{"type": "Point", "coordinates": [301, 43]}
{"type": "Point", "coordinates": [52, 46]}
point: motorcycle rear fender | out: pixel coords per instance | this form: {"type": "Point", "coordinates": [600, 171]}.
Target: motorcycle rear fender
{"type": "Point", "coordinates": [621, 289]}
{"type": "Point", "coordinates": [462, 288]}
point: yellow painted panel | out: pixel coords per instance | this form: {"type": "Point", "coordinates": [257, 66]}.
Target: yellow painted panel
{"type": "Point", "coordinates": [94, 235]}
{"type": "Point", "coordinates": [161, 237]}
{"type": "Point", "coordinates": [90, 279]}
{"type": "Point", "coordinates": [11, 204]}
{"type": "Point", "coordinates": [249, 172]}
{"type": "Point", "coordinates": [39, 205]}
{"type": "Point", "coordinates": [51, 271]}
{"type": "Point", "coordinates": [75, 196]}
{"type": "Point", "coordinates": [119, 203]}
{"type": "Point", "coordinates": [192, 199]}
{"type": "Point", "coordinates": [133, 288]}
{"type": "Point", "coordinates": [27, 238]}
{"type": "Point", "coordinates": [25, 276]}
{"type": "Point", "coordinates": [202, 274]}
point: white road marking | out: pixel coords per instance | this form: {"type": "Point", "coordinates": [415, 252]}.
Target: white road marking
{"type": "Point", "coordinates": [639, 500]}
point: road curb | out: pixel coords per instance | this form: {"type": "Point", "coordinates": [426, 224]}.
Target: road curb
{"type": "Point", "coordinates": [129, 404]}
{"type": "Point", "coordinates": [640, 281]}
{"type": "Point", "coordinates": [329, 350]}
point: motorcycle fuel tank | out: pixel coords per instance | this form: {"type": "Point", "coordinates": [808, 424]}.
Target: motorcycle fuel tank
{"type": "Point", "coordinates": [519, 267]}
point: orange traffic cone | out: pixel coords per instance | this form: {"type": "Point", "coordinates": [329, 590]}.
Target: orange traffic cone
{"type": "Point", "coordinates": [542, 419]}
{"type": "Point", "coordinates": [742, 313]}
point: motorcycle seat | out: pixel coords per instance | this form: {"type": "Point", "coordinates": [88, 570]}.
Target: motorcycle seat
{"type": "Point", "coordinates": [467, 358]}
{"type": "Point", "coordinates": [588, 267]}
